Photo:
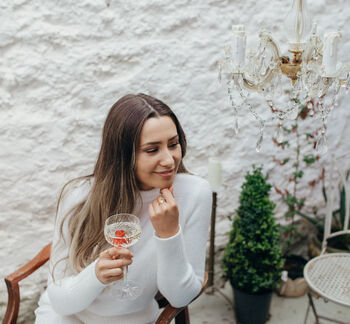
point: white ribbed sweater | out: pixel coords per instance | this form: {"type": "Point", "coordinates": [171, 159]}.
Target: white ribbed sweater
{"type": "Point", "coordinates": [174, 266]}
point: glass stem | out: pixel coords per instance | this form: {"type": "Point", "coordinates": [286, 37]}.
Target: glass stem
{"type": "Point", "coordinates": [125, 276]}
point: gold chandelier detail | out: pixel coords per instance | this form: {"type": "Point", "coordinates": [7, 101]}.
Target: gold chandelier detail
{"type": "Point", "coordinates": [313, 68]}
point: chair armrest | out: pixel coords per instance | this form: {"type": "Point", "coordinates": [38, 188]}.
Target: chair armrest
{"type": "Point", "coordinates": [14, 278]}
{"type": "Point", "coordinates": [170, 312]}
{"type": "Point", "coordinates": [41, 258]}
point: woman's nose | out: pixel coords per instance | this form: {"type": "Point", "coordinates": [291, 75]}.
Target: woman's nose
{"type": "Point", "coordinates": [166, 158]}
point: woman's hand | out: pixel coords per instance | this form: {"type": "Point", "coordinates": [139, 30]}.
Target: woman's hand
{"type": "Point", "coordinates": [164, 214]}
{"type": "Point", "coordinates": [109, 266]}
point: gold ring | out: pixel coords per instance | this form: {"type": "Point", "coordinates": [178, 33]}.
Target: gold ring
{"type": "Point", "coordinates": [161, 201]}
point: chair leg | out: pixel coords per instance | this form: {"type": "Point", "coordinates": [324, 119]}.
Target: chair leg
{"type": "Point", "coordinates": [311, 303]}
{"type": "Point", "coordinates": [183, 317]}
{"type": "Point", "coordinates": [307, 312]}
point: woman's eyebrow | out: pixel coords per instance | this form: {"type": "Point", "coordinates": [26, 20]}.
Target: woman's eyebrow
{"type": "Point", "coordinates": [154, 143]}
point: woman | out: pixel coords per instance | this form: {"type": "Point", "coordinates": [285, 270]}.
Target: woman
{"type": "Point", "coordinates": [139, 170]}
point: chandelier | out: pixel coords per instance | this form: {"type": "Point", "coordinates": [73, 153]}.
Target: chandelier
{"type": "Point", "coordinates": [311, 65]}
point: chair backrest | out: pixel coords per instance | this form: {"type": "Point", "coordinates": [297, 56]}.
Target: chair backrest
{"type": "Point", "coordinates": [342, 183]}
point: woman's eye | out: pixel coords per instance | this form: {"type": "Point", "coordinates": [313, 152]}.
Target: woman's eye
{"type": "Point", "coordinates": [153, 150]}
{"type": "Point", "coordinates": [174, 144]}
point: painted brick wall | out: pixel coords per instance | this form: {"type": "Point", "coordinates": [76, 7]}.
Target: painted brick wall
{"type": "Point", "coordinates": [64, 63]}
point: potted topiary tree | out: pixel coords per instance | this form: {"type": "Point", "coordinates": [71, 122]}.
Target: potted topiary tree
{"type": "Point", "coordinates": [252, 259]}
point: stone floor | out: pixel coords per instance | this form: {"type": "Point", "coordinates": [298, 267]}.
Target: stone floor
{"type": "Point", "coordinates": [217, 308]}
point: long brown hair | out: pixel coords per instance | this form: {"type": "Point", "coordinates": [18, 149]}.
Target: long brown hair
{"type": "Point", "coordinates": [115, 187]}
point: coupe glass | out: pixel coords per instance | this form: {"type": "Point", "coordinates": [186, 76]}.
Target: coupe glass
{"type": "Point", "coordinates": [123, 230]}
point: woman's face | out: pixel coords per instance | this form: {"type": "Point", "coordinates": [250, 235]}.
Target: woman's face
{"type": "Point", "coordinates": [159, 153]}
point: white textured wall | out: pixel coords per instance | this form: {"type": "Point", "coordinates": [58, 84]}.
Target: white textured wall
{"type": "Point", "coordinates": [64, 63]}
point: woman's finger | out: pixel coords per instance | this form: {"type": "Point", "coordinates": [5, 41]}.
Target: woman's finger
{"type": "Point", "coordinates": [162, 203]}
{"type": "Point", "coordinates": [116, 272]}
{"type": "Point", "coordinates": [151, 211]}
{"type": "Point", "coordinates": [171, 202]}
{"type": "Point", "coordinates": [117, 264]}
{"type": "Point", "coordinates": [110, 264]}
{"type": "Point", "coordinates": [156, 207]}
{"type": "Point", "coordinates": [122, 252]}
{"type": "Point", "coordinates": [116, 253]}
{"type": "Point", "coordinates": [168, 197]}
{"type": "Point", "coordinates": [107, 255]}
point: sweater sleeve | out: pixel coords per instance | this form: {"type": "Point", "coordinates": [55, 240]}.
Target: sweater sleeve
{"type": "Point", "coordinates": [70, 293]}
{"type": "Point", "coordinates": [181, 258]}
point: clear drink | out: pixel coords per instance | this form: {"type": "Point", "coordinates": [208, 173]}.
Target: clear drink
{"type": "Point", "coordinates": [122, 234]}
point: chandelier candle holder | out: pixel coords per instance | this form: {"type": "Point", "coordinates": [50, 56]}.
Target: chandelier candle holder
{"type": "Point", "coordinates": [316, 75]}
{"type": "Point", "coordinates": [215, 179]}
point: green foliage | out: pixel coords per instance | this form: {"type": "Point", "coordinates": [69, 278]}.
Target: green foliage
{"type": "Point", "coordinates": [298, 174]}
{"type": "Point", "coordinates": [253, 257]}
{"type": "Point", "coordinates": [309, 159]}
{"type": "Point", "coordinates": [308, 135]}
{"type": "Point", "coordinates": [296, 170]}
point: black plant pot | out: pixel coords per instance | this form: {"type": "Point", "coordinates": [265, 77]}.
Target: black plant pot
{"type": "Point", "coordinates": [251, 308]}
{"type": "Point", "coordinates": [294, 264]}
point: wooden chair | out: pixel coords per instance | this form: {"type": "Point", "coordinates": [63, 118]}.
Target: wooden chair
{"type": "Point", "coordinates": [181, 315]}
{"type": "Point", "coordinates": [328, 275]}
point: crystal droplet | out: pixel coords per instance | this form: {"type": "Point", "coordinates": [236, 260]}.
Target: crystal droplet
{"type": "Point", "coordinates": [279, 86]}
{"type": "Point", "coordinates": [268, 95]}
{"type": "Point", "coordinates": [228, 51]}
{"type": "Point", "coordinates": [294, 113]}
{"type": "Point", "coordinates": [321, 145]}
{"type": "Point", "coordinates": [310, 108]}
{"type": "Point", "coordinates": [259, 142]}
{"type": "Point", "coordinates": [235, 126]}
{"type": "Point", "coordinates": [279, 136]}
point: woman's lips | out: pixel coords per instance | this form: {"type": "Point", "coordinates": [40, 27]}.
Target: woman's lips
{"type": "Point", "coordinates": [165, 174]}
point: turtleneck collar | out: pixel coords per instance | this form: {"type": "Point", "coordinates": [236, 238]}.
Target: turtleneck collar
{"type": "Point", "coordinates": [149, 195]}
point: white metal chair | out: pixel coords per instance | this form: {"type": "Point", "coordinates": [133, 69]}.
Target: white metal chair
{"type": "Point", "coordinates": [328, 275]}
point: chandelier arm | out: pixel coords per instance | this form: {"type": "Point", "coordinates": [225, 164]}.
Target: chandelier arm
{"type": "Point", "coordinates": [345, 68]}
{"type": "Point", "coordinates": [251, 85]}
{"type": "Point", "coordinates": [313, 46]}
{"type": "Point", "coordinates": [268, 42]}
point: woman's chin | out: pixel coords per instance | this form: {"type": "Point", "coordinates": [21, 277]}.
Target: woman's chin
{"type": "Point", "coordinates": [165, 184]}
{"type": "Point", "coordinates": [157, 184]}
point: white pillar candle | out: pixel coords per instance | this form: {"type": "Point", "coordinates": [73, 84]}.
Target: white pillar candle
{"type": "Point", "coordinates": [214, 173]}
{"type": "Point", "coordinates": [330, 52]}
{"type": "Point", "coordinates": [239, 40]}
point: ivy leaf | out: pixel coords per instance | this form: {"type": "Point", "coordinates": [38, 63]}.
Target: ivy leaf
{"type": "Point", "coordinates": [309, 159]}
{"type": "Point", "coordinates": [298, 174]}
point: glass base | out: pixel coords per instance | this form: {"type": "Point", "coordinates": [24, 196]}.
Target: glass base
{"type": "Point", "coordinates": [126, 292]}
